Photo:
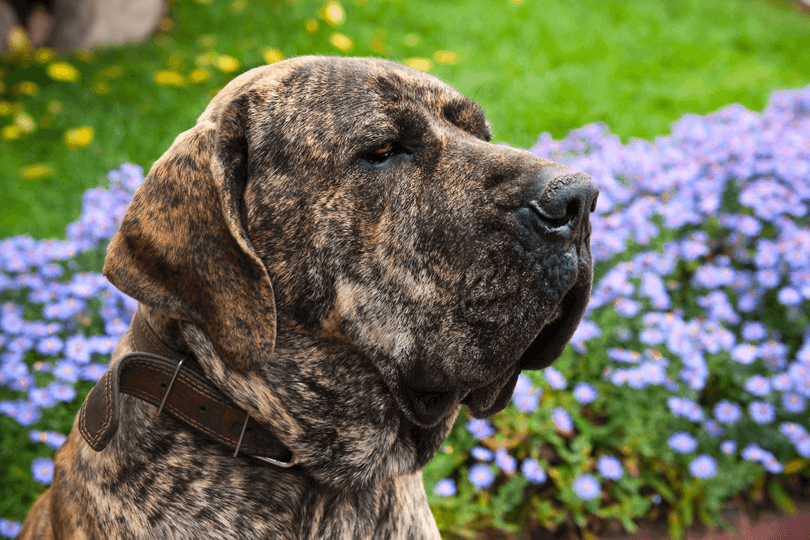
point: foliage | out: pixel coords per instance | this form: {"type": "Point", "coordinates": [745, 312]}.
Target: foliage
{"type": "Point", "coordinates": [66, 118]}
{"type": "Point", "coordinates": [688, 380]}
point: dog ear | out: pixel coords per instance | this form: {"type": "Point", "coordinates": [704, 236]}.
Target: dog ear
{"type": "Point", "coordinates": [182, 248]}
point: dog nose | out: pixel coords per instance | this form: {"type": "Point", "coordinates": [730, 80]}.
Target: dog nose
{"type": "Point", "coordinates": [565, 202]}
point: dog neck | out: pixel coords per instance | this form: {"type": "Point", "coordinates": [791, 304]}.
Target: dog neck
{"type": "Point", "coordinates": [351, 444]}
{"type": "Point", "coordinates": [166, 332]}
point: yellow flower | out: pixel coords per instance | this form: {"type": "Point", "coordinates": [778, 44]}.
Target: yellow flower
{"type": "Point", "coordinates": [228, 64]}
{"type": "Point", "coordinates": [378, 46]}
{"type": "Point", "coordinates": [54, 106]}
{"type": "Point", "coordinates": [198, 76]}
{"type": "Point", "coordinates": [101, 88]}
{"type": "Point", "coordinates": [446, 57]}
{"type": "Point", "coordinates": [11, 132]}
{"type": "Point", "coordinates": [36, 170]}
{"type": "Point", "coordinates": [341, 41]}
{"type": "Point", "coordinates": [206, 59]}
{"type": "Point", "coordinates": [18, 40]}
{"type": "Point", "coordinates": [332, 12]}
{"type": "Point", "coordinates": [422, 64]}
{"type": "Point", "coordinates": [6, 108]}
{"type": "Point", "coordinates": [272, 55]}
{"type": "Point", "coordinates": [311, 26]}
{"type": "Point", "coordinates": [169, 78]}
{"type": "Point", "coordinates": [25, 122]}
{"type": "Point", "coordinates": [62, 71]}
{"type": "Point", "coordinates": [175, 61]}
{"type": "Point", "coordinates": [44, 54]}
{"type": "Point", "coordinates": [78, 137]}
{"type": "Point", "coordinates": [27, 88]}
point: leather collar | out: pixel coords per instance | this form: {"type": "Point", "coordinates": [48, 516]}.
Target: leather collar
{"type": "Point", "coordinates": [178, 386]}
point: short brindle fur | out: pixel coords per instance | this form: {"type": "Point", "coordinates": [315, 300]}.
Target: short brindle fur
{"type": "Point", "coordinates": [349, 259]}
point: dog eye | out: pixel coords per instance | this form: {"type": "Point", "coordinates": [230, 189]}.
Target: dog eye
{"type": "Point", "coordinates": [382, 154]}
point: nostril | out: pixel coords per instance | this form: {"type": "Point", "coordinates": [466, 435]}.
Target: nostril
{"type": "Point", "coordinates": [555, 221]}
{"type": "Point", "coordinates": [565, 201]}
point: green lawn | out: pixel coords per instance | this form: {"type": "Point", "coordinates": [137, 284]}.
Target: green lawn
{"type": "Point", "coordinates": [534, 66]}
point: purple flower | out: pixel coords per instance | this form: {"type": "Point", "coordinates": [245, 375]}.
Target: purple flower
{"type": "Point", "coordinates": [51, 438]}
{"type": "Point", "coordinates": [789, 296]}
{"type": "Point", "coordinates": [505, 462]}
{"type": "Point", "coordinates": [585, 393]}
{"type": "Point", "coordinates": [92, 372]}
{"type": "Point", "coordinates": [562, 420]}
{"type": "Point", "coordinates": [587, 487]}
{"type": "Point", "coordinates": [771, 464]}
{"type": "Point", "coordinates": [686, 408]}
{"type": "Point", "coordinates": [713, 427]}
{"type": "Point", "coordinates": [481, 476]}
{"type": "Point", "coordinates": [481, 429]}
{"type": "Point", "coordinates": [50, 346]}
{"type": "Point", "coordinates": [744, 353]}
{"type": "Point", "coordinates": [66, 371]}
{"type": "Point", "coordinates": [533, 472]}
{"type": "Point", "coordinates": [41, 397]}
{"type": "Point", "coordinates": [42, 470]}
{"type": "Point", "coordinates": [682, 442]}
{"type": "Point", "coordinates": [758, 385]}
{"type": "Point", "coordinates": [445, 488]}
{"type": "Point", "coordinates": [610, 467]}
{"type": "Point", "coordinates": [753, 452]}
{"type": "Point", "coordinates": [9, 529]}
{"type": "Point", "coordinates": [77, 349]}
{"type": "Point", "coordinates": [62, 392]}
{"type": "Point", "coordinates": [626, 307]}
{"type": "Point", "coordinates": [527, 402]}
{"type": "Point", "coordinates": [481, 454]}
{"type": "Point", "coordinates": [727, 412]}
{"type": "Point", "coordinates": [555, 379]}
{"type": "Point", "coordinates": [24, 412]}
{"type": "Point", "coordinates": [728, 447]}
{"type": "Point", "coordinates": [793, 403]}
{"type": "Point", "coordinates": [781, 382]}
{"type": "Point", "coordinates": [761, 412]}
{"type": "Point", "coordinates": [703, 466]}
{"type": "Point", "coordinates": [753, 331]}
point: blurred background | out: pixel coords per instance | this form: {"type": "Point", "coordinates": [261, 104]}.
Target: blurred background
{"type": "Point", "coordinates": [69, 115]}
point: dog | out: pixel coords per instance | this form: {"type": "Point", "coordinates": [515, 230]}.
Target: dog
{"type": "Point", "coordinates": [343, 259]}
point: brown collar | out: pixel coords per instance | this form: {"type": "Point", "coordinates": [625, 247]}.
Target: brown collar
{"type": "Point", "coordinates": [178, 386]}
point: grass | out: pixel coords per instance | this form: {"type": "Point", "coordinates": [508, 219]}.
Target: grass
{"type": "Point", "coordinates": [534, 66]}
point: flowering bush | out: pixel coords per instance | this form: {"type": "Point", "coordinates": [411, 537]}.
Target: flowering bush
{"type": "Point", "coordinates": [685, 384]}
{"type": "Point", "coordinates": [687, 381]}
{"type": "Point", "coordinates": [59, 322]}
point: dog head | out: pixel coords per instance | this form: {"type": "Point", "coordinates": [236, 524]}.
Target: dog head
{"type": "Point", "coordinates": [352, 215]}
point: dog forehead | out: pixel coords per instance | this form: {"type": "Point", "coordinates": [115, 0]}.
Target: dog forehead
{"type": "Point", "coordinates": [346, 85]}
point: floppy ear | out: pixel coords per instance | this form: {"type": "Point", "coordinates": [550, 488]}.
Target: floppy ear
{"type": "Point", "coordinates": [182, 249]}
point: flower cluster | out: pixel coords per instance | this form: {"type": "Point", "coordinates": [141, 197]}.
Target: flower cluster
{"type": "Point", "coordinates": [59, 321]}
{"type": "Point", "coordinates": [694, 353]}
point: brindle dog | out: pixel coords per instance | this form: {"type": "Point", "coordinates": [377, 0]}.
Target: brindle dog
{"type": "Point", "coordinates": [349, 259]}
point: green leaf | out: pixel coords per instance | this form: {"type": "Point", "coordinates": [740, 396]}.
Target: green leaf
{"type": "Point", "coordinates": [779, 496]}
{"type": "Point", "coordinates": [510, 495]}
{"type": "Point", "coordinates": [676, 528]}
